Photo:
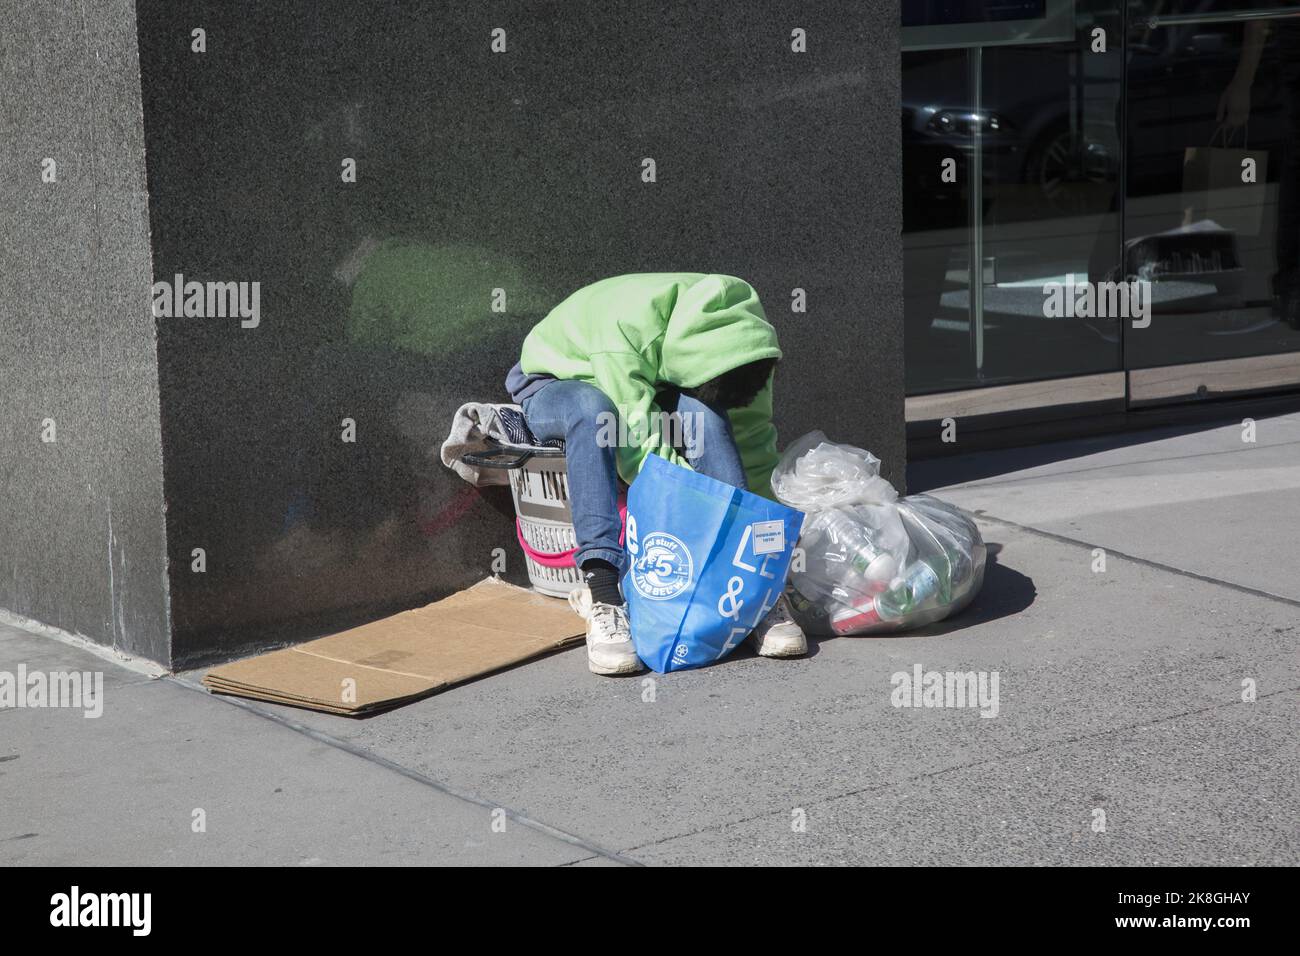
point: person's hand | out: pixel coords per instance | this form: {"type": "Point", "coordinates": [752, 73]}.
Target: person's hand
{"type": "Point", "coordinates": [1234, 106]}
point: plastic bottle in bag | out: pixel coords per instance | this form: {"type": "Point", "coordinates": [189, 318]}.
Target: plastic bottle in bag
{"type": "Point", "coordinates": [920, 582]}
{"type": "Point", "coordinates": [960, 564]}
{"type": "Point", "coordinates": [867, 568]}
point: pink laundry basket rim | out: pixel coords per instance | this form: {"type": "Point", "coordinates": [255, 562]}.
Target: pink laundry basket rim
{"type": "Point", "coordinates": [564, 559]}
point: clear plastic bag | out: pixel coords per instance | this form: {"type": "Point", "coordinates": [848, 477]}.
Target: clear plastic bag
{"type": "Point", "coordinates": [872, 561]}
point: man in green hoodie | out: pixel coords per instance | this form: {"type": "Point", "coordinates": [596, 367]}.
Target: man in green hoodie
{"type": "Point", "coordinates": [674, 364]}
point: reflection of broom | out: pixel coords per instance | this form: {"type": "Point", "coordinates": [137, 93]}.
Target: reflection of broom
{"type": "Point", "coordinates": [450, 513]}
{"type": "Point", "coordinates": [348, 270]}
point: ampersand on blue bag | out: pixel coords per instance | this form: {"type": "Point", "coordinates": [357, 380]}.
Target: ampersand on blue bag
{"type": "Point", "coordinates": [729, 604]}
{"type": "Point", "coordinates": [664, 567]}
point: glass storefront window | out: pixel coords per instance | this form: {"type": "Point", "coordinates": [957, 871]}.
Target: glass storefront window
{"type": "Point", "coordinates": [1032, 128]}
{"type": "Point", "coordinates": [1158, 146]}
{"type": "Point", "coordinates": [1213, 94]}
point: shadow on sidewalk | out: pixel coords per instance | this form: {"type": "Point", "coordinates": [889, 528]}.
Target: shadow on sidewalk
{"type": "Point", "coordinates": [1005, 592]}
{"type": "Point", "coordinates": [926, 474]}
{"type": "Point", "coordinates": [930, 473]}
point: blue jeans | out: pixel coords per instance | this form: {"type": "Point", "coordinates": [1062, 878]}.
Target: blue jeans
{"type": "Point", "coordinates": [574, 412]}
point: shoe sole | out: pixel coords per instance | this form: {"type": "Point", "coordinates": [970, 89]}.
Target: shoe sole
{"type": "Point", "coordinates": [610, 670]}
{"type": "Point", "coordinates": [773, 649]}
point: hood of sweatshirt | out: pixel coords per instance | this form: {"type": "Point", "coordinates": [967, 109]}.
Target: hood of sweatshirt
{"type": "Point", "coordinates": [716, 324]}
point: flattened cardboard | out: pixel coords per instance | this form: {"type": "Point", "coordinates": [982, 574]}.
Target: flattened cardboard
{"type": "Point", "coordinates": [410, 655]}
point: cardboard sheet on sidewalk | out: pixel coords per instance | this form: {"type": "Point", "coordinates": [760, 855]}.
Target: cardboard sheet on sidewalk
{"type": "Point", "coordinates": [398, 659]}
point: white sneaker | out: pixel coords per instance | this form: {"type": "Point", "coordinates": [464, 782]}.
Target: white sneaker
{"type": "Point", "coordinates": [777, 635]}
{"type": "Point", "coordinates": [609, 637]}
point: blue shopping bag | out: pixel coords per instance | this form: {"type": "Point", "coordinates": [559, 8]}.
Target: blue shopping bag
{"type": "Point", "coordinates": [706, 562]}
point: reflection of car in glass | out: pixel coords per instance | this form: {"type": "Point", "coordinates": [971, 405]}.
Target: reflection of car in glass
{"type": "Point", "coordinates": [1027, 134]}
{"type": "Point", "coordinates": [1176, 75]}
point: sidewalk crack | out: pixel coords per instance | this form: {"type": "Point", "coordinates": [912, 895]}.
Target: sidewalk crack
{"type": "Point", "coordinates": [1124, 555]}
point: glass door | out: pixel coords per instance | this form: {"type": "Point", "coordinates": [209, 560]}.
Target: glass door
{"type": "Point", "coordinates": [1012, 164]}
{"type": "Point", "coordinates": [1101, 202]}
{"type": "Point", "coordinates": [1212, 205]}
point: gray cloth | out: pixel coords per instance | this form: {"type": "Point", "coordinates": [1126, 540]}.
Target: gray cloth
{"type": "Point", "coordinates": [522, 385]}
{"type": "Point", "coordinates": [472, 426]}
{"type": "Point", "coordinates": [478, 426]}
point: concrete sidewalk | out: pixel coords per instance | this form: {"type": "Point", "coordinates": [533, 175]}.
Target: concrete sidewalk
{"type": "Point", "coordinates": [1121, 697]}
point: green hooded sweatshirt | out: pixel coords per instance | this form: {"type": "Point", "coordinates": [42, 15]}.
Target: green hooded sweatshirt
{"type": "Point", "coordinates": [630, 335]}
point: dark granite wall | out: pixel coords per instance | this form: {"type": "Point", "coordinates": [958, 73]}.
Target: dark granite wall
{"type": "Point", "coordinates": [478, 170]}
{"type": "Point", "coordinates": [81, 517]}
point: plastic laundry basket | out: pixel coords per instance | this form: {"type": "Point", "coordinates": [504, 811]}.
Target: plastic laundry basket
{"type": "Point", "coordinates": [539, 484]}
